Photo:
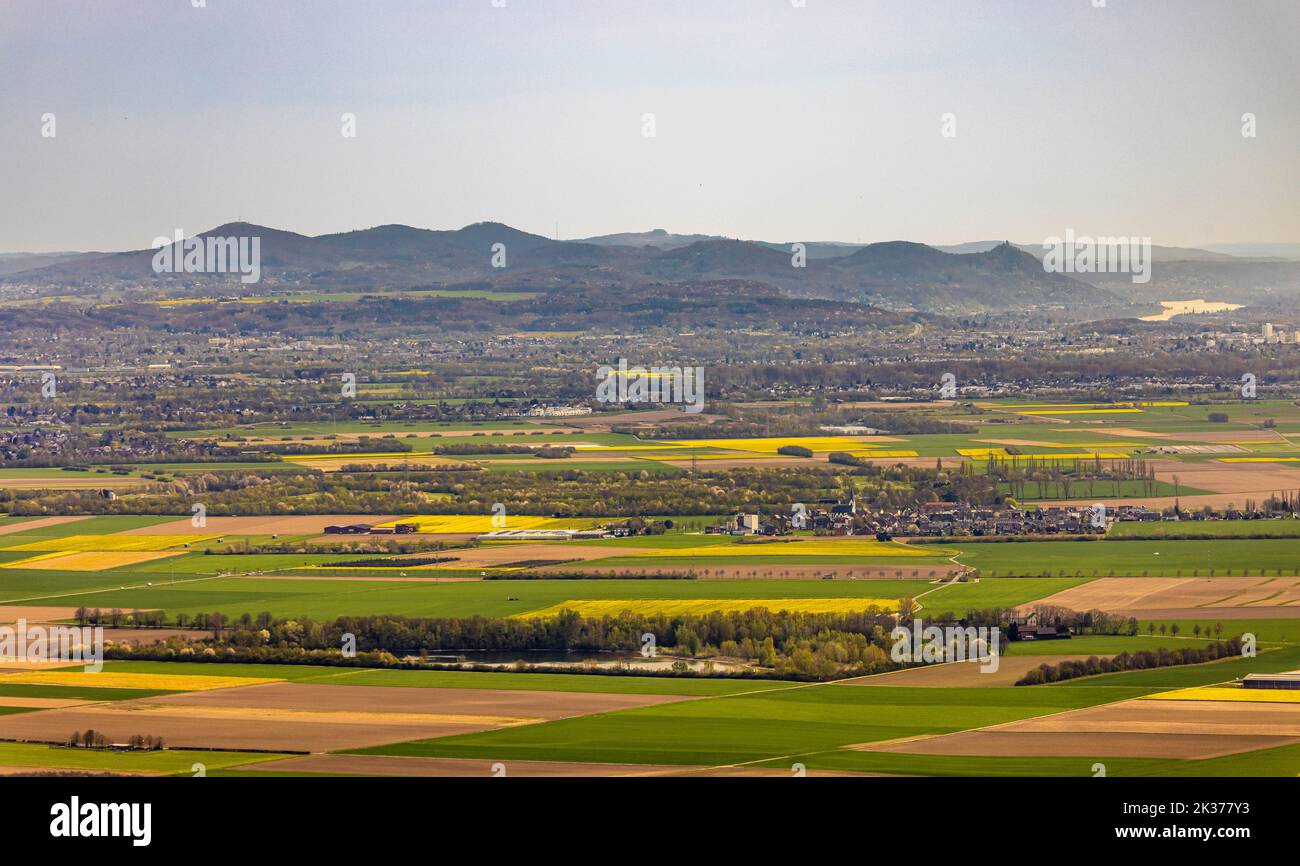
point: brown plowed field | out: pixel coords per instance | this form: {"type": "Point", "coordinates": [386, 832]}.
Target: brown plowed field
{"type": "Point", "coordinates": [1206, 596]}
{"type": "Point", "coordinates": [396, 699]}
{"type": "Point", "coordinates": [1083, 745]}
{"type": "Point", "coordinates": [27, 525]}
{"type": "Point", "coordinates": [13, 612]}
{"type": "Point", "coordinates": [297, 717]}
{"type": "Point", "coordinates": [120, 722]}
{"type": "Point", "coordinates": [1136, 728]}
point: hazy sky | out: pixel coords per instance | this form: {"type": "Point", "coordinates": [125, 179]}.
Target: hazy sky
{"type": "Point", "coordinates": [771, 121]}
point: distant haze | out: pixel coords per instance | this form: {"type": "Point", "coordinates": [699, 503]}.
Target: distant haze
{"type": "Point", "coordinates": [771, 121]}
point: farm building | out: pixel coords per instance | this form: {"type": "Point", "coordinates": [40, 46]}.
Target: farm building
{"type": "Point", "coordinates": [1288, 680]}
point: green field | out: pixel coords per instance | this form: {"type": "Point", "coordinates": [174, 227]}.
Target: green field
{"type": "Point", "coordinates": [1102, 645]}
{"type": "Point", "coordinates": [1185, 676]}
{"type": "Point", "coordinates": [1217, 528]}
{"type": "Point", "coordinates": [995, 592]}
{"type": "Point", "coordinates": [326, 599]}
{"type": "Point", "coordinates": [1282, 761]}
{"type": "Point", "coordinates": [1182, 558]}
{"type": "Point", "coordinates": [755, 727]}
{"type": "Point", "coordinates": [166, 761]}
{"type": "Point", "coordinates": [80, 693]}
{"type": "Point", "coordinates": [1264, 630]}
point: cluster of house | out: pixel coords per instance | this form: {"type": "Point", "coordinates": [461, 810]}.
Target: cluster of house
{"type": "Point", "coordinates": [834, 517]}
{"type": "Point", "coordinates": [552, 412]}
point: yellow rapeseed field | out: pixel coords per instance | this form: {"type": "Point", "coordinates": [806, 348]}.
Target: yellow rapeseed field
{"type": "Point", "coordinates": [1229, 693]}
{"type": "Point", "coordinates": [111, 680]}
{"type": "Point", "coordinates": [701, 606]}
{"type": "Point", "coordinates": [94, 560]}
{"type": "Point", "coordinates": [78, 543]}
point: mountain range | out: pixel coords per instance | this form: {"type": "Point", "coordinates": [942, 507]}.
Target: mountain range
{"type": "Point", "coordinates": [987, 276]}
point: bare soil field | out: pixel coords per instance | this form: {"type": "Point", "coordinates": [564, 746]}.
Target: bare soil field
{"type": "Point", "coordinates": [1230, 477]}
{"type": "Point", "coordinates": [28, 525]}
{"type": "Point", "coordinates": [1109, 744]}
{"type": "Point", "coordinates": [1217, 613]}
{"type": "Point", "coordinates": [1213, 596]}
{"type": "Point", "coordinates": [42, 703]}
{"type": "Point", "coordinates": [1123, 432]}
{"type": "Point", "coordinates": [1136, 728]}
{"type": "Point", "coordinates": [146, 636]}
{"type": "Point", "coordinates": [11, 613]}
{"type": "Point", "coordinates": [1226, 718]}
{"type": "Point", "coordinates": [1232, 484]}
{"type": "Point", "coordinates": [119, 723]}
{"type": "Point", "coordinates": [284, 524]}
{"type": "Point", "coordinates": [502, 703]}
{"type": "Point", "coordinates": [304, 717]}
{"type": "Point", "coordinates": [961, 674]}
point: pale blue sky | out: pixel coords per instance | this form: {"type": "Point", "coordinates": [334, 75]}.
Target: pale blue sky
{"type": "Point", "coordinates": [773, 121]}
